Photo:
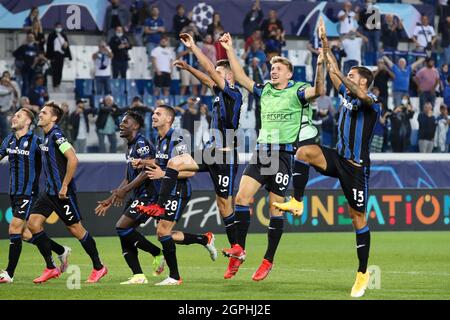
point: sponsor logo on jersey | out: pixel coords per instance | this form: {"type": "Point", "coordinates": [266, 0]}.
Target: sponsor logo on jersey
{"type": "Point", "coordinates": [160, 155]}
{"type": "Point", "coordinates": [143, 150]}
{"type": "Point", "coordinates": [18, 151]}
{"type": "Point", "coordinates": [43, 147]}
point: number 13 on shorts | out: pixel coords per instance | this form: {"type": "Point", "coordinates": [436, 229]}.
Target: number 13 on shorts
{"type": "Point", "coordinates": [358, 196]}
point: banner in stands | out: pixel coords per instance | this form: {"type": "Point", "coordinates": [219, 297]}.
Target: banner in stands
{"type": "Point", "coordinates": [298, 17]}
{"type": "Point", "coordinates": [325, 210]}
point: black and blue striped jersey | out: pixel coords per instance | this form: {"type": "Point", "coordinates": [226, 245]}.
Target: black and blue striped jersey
{"type": "Point", "coordinates": [24, 158]}
{"type": "Point", "coordinates": [226, 111]}
{"type": "Point", "coordinates": [169, 146]}
{"type": "Point", "coordinates": [140, 148]}
{"type": "Point", "coordinates": [355, 127]}
{"type": "Point", "coordinates": [54, 162]}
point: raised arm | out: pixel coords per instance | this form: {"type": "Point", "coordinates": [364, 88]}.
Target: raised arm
{"type": "Point", "coordinates": [203, 78]}
{"type": "Point", "coordinates": [417, 63]}
{"type": "Point", "coordinates": [388, 61]}
{"type": "Point", "coordinates": [238, 71]}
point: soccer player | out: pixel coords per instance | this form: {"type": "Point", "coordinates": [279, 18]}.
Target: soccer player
{"type": "Point", "coordinates": [24, 155]}
{"type": "Point", "coordinates": [286, 119]}
{"type": "Point", "coordinates": [59, 163]}
{"type": "Point", "coordinates": [143, 193]}
{"type": "Point", "coordinates": [222, 146]}
{"type": "Point", "coordinates": [170, 144]}
{"type": "Point", "coordinates": [350, 161]}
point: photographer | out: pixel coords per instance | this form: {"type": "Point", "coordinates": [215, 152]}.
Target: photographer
{"type": "Point", "coordinates": [401, 126]}
{"type": "Point", "coordinates": [102, 61]}
{"type": "Point", "coordinates": [79, 122]}
{"type": "Point", "coordinates": [107, 124]}
{"type": "Point", "coordinates": [424, 36]}
{"type": "Point", "coordinates": [380, 126]}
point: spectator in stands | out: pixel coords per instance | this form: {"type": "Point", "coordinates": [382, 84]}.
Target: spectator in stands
{"type": "Point", "coordinates": [38, 32]}
{"type": "Point", "coordinates": [79, 121]}
{"type": "Point", "coordinates": [209, 50]}
{"type": "Point", "coordinates": [391, 32]}
{"type": "Point", "coordinates": [34, 15]}
{"type": "Point", "coordinates": [7, 93]}
{"type": "Point", "coordinates": [162, 59]}
{"type": "Point", "coordinates": [255, 36]}
{"type": "Point", "coordinates": [25, 56]}
{"type": "Point", "coordinates": [352, 43]}
{"type": "Point", "coordinates": [371, 28]}
{"type": "Point", "coordinates": [424, 36]}
{"type": "Point", "coordinates": [313, 46]}
{"type": "Point", "coordinates": [427, 129]}
{"type": "Point", "coordinates": [401, 125]}
{"type": "Point", "coordinates": [116, 15]}
{"type": "Point", "coordinates": [380, 126]}
{"type": "Point", "coordinates": [138, 106]}
{"type": "Point", "coordinates": [446, 92]}
{"type": "Point", "coordinates": [189, 116]}
{"type": "Point", "coordinates": [64, 122]}
{"type": "Point", "coordinates": [427, 80]}
{"type": "Point", "coordinates": [255, 72]}
{"type": "Point", "coordinates": [215, 27]}
{"type": "Point", "coordinates": [252, 20]}
{"type": "Point", "coordinates": [443, 75]}
{"type": "Point", "coordinates": [41, 65]}
{"type": "Point", "coordinates": [17, 92]}
{"type": "Point", "coordinates": [180, 20]}
{"type": "Point", "coordinates": [444, 27]}
{"type": "Point", "coordinates": [381, 78]}
{"type": "Point", "coordinates": [271, 24]}
{"type": "Point", "coordinates": [202, 135]}
{"type": "Point", "coordinates": [139, 13]}
{"type": "Point", "coordinates": [120, 45]}
{"type": "Point", "coordinates": [256, 51]}
{"type": "Point", "coordinates": [347, 19]}
{"type": "Point", "coordinates": [187, 78]}
{"type": "Point", "coordinates": [102, 62]}
{"type": "Point", "coordinates": [24, 102]}
{"type": "Point", "coordinates": [221, 53]}
{"type": "Point", "coordinates": [339, 54]}
{"type": "Point", "coordinates": [443, 121]}
{"type": "Point", "coordinates": [38, 94]}
{"type": "Point", "coordinates": [57, 49]}
{"type": "Point", "coordinates": [275, 43]}
{"type": "Point", "coordinates": [107, 123]}
{"type": "Point", "coordinates": [402, 76]}
{"type": "Point", "coordinates": [153, 30]}
{"type": "Point", "coordinates": [326, 112]}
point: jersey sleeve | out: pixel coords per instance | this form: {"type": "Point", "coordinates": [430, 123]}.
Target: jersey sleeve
{"type": "Point", "coordinates": [258, 89]}
{"type": "Point", "coordinates": [234, 94]}
{"type": "Point", "coordinates": [3, 146]}
{"type": "Point", "coordinates": [301, 93]}
{"type": "Point", "coordinates": [180, 145]}
{"type": "Point", "coordinates": [61, 141]}
{"type": "Point", "coordinates": [145, 149]}
{"type": "Point", "coordinates": [342, 89]}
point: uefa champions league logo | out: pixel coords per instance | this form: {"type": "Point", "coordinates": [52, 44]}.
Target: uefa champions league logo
{"type": "Point", "coordinates": [202, 15]}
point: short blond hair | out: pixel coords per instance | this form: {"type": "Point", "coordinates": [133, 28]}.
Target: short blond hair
{"type": "Point", "coordinates": [282, 60]}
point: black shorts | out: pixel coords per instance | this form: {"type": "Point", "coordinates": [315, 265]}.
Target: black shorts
{"type": "Point", "coordinates": [67, 210]}
{"type": "Point", "coordinates": [354, 179]}
{"type": "Point", "coordinates": [274, 171]}
{"type": "Point", "coordinates": [223, 173]}
{"type": "Point", "coordinates": [131, 212]}
{"type": "Point", "coordinates": [177, 201]}
{"type": "Point", "coordinates": [163, 81]}
{"type": "Point", "coordinates": [21, 206]}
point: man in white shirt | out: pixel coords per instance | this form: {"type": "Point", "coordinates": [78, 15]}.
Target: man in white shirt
{"type": "Point", "coordinates": [352, 44]}
{"type": "Point", "coordinates": [102, 61]}
{"type": "Point", "coordinates": [162, 59]}
{"type": "Point", "coordinates": [424, 35]}
{"type": "Point", "coordinates": [347, 19]}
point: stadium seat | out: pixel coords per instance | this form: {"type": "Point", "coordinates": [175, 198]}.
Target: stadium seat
{"type": "Point", "coordinates": [149, 100]}
{"type": "Point", "coordinates": [132, 88]}
{"type": "Point", "coordinates": [84, 88]}
{"type": "Point", "coordinates": [299, 73]}
{"type": "Point", "coordinates": [97, 101]}
{"type": "Point", "coordinates": [117, 87]}
{"type": "Point", "coordinates": [208, 100]}
{"type": "Point", "coordinates": [175, 87]}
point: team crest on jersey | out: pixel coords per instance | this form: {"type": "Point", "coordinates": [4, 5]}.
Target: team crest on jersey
{"type": "Point", "coordinates": [46, 140]}
{"type": "Point", "coordinates": [217, 99]}
{"type": "Point", "coordinates": [25, 144]}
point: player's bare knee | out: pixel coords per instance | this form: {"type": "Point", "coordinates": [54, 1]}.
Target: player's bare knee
{"type": "Point", "coordinates": [304, 154]}
{"type": "Point", "coordinates": [34, 226]}
{"type": "Point", "coordinates": [77, 230]}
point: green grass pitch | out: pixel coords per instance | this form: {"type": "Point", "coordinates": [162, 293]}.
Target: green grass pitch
{"type": "Point", "coordinates": [413, 265]}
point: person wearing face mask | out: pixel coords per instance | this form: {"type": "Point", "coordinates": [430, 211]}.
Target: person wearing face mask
{"type": "Point", "coordinates": [57, 49]}
{"type": "Point", "coordinates": [120, 44]}
{"type": "Point", "coordinates": [25, 56]}
{"type": "Point", "coordinates": [116, 15]}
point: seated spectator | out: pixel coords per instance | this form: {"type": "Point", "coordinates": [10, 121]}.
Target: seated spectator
{"type": "Point", "coordinates": [252, 19]}
{"type": "Point", "coordinates": [153, 30]}
{"type": "Point", "coordinates": [58, 48]}
{"type": "Point", "coordinates": [116, 15]}
{"type": "Point", "coordinates": [427, 129]}
{"type": "Point", "coordinates": [402, 76]}
{"type": "Point", "coordinates": [271, 24]}
{"type": "Point", "coordinates": [25, 56]}
{"type": "Point", "coordinates": [79, 122]}
{"type": "Point", "coordinates": [401, 125]}
{"type": "Point", "coordinates": [120, 45]}
{"type": "Point", "coordinates": [443, 121]}
{"type": "Point", "coordinates": [347, 19]}
{"type": "Point", "coordinates": [38, 94]}
{"type": "Point", "coordinates": [187, 78]}
{"type": "Point", "coordinates": [180, 20]}
{"type": "Point", "coordinates": [107, 124]}
{"type": "Point", "coordinates": [102, 62]}
{"type": "Point", "coordinates": [138, 13]}
{"type": "Point", "coordinates": [162, 59]}
{"type": "Point", "coordinates": [427, 80]}
{"type": "Point", "coordinates": [424, 36]}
